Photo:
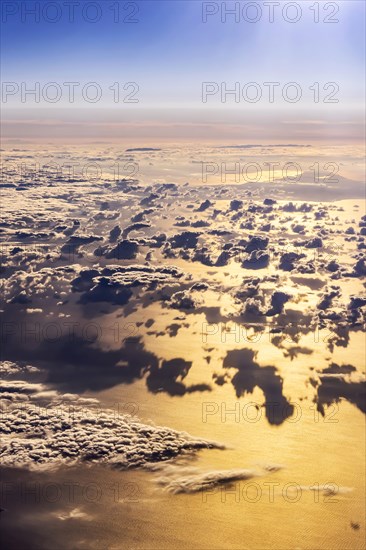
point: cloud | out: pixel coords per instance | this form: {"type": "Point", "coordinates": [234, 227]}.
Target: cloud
{"type": "Point", "coordinates": [204, 481]}
{"type": "Point", "coordinates": [75, 513]}
{"type": "Point", "coordinates": [114, 283]}
{"type": "Point", "coordinates": [124, 250]}
{"type": "Point", "coordinates": [178, 478]}
{"type": "Point", "coordinates": [64, 433]}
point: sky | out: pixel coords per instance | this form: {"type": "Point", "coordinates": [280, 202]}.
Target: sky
{"type": "Point", "coordinates": [149, 62]}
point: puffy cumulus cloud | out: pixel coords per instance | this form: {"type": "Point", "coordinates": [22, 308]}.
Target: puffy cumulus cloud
{"type": "Point", "coordinates": [107, 290]}
{"type": "Point", "coordinates": [56, 214]}
{"type": "Point", "coordinates": [338, 313]}
{"type": "Point", "coordinates": [291, 207]}
{"type": "Point", "coordinates": [249, 288]}
{"type": "Point", "coordinates": [114, 233]}
{"type": "Point", "coordinates": [204, 205]}
{"type": "Point", "coordinates": [57, 434]}
{"type": "Point", "coordinates": [289, 260]}
{"type": "Point", "coordinates": [140, 216]}
{"type": "Point", "coordinates": [150, 199]}
{"type": "Point", "coordinates": [75, 241]}
{"type": "Point", "coordinates": [257, 259]}
{"type": "Point", "coordinates": [357, 310]}
{"type": "Point", "coordinates": [128, 276]}
{"type": "Point", "coordinates": [124, 250]}
{"type": "Point", "coordinates": [114, 283]}
{"type": "Point", "coordinates": [278, 300]}
{"type": "Point", "coordinates": [26, 256]}
{"type": "Point", "coordinates": [252, 309]}
{"type": "Point", "coordinates": [135, 227]}
{"type": "Point", "coordinates": [328, 296]}
{"type": "Point", "coordinates": [187, 239]}
{"type": "Point", "coordinates": [184, 300]}
{"type": "Point", "coordinates": [24, 286]}
{"type": "Point", "coordinates": [9, 369]}
{"type": "Point", "coordinates": [257, 243]}
{"type": "Point", "coordinates": [214, 255]}
{"type": "Point", "coordinates": [359, 269]}
{"type": "Point", "coordinates": [20, 390]}
{"type": "Point", "coordinates": [236, 205]}
{"type": "Point", "coordinates": [21, 382]}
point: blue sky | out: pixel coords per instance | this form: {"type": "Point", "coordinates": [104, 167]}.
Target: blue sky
{"type": "Point", "coordinates": [169, 52]}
